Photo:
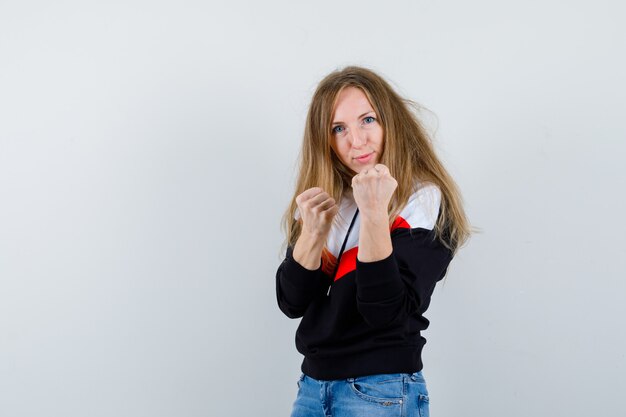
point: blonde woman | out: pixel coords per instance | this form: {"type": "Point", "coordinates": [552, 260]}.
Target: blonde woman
{"type": "Point", "coordinates": [373, 224]}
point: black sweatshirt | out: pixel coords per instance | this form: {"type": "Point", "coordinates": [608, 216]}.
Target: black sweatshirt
{"type": "Point", "coordinates": [370, 321]}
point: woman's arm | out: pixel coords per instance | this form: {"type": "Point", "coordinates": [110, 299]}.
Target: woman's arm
{"type": "Point", "coordinates": [296, 286]}
{"type": "Point", "coordinates": [374, 236]}
{"type": "Point", "coordinates": [308, 250]}
{"type": "Point", "coordinates": [372, 189]}
{"type": "Point", "coordinates": [391, 289]}
{"type": "Point", "coordinates": [396, 271]}
{"type": "Point", "coordinates": [299, 278]}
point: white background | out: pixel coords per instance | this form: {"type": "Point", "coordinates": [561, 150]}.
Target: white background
{"type": "Point", "coordinates": [147, 152]}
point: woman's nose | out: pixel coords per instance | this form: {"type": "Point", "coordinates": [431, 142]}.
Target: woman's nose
{"type": "Point", "coordinates": [358, 138]}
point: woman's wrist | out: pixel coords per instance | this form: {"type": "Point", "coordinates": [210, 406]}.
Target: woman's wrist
{"type": "Point", "coordinates": [308, 250]}
{"type": "Point", "coordinates": [375, 216]}
{"type": "Point", "coordinates": [375, 238]}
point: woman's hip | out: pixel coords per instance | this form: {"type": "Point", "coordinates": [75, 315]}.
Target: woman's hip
{"type": "Point", "coordinates": [395, 394]}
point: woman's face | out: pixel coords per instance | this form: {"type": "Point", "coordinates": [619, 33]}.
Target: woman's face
{"type": "Point", "coordinates": [357, 136]}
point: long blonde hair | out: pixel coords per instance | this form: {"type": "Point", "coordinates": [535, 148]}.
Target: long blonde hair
{"type": "Point", "coordinates": [408, 153]}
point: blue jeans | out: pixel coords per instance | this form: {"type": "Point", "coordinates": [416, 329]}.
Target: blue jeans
{"type": "Point", "coordinates": [401, 395]}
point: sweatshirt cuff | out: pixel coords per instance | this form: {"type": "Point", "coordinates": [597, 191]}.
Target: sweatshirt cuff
{"type": "Point", "coordinates": [378, 280]}
{"type": "Point", "coordinates": [299, 276]}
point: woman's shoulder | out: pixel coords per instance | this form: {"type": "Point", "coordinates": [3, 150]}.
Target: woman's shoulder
{"type": "Point", "coordinates": [422, 208]}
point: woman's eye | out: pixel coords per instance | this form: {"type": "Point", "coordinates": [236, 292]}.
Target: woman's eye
{"type": "Point", "coordinates": [338, 129]}
{"type": "Point", "coordinates": [369, 119]}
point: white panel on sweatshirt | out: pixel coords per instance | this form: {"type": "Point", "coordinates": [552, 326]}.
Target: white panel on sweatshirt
{"type": "Point", "coordinates": [421, 210]}
{"type": "Point", "coordinates": [340, 226]}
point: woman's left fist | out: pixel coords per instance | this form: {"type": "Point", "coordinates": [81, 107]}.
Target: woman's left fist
{"type": "Point", "coordinates": [372, 189]}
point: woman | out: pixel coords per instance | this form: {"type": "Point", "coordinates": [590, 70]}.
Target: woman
{"type": "Point", "coordinates": [373, 225]}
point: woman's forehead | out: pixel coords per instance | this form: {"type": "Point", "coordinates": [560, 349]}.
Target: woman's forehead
{"type": "Point", "coordinates": [351, 102]}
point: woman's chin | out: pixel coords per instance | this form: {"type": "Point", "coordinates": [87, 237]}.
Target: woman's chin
{"type": "Point", "coordinates": [361, 168]}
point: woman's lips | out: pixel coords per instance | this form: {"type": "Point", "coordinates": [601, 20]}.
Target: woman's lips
{"type": "Point", "coordinates": [365, 158]}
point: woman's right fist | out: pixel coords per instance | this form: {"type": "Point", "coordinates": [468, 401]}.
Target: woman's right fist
{"type": "Point", "coordinates": [317, 210]}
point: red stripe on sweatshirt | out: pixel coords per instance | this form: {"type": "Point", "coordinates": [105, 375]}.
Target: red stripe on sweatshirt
{"type": "Point", "coordinates": [347, 263]}
{"type": "Point", "coordinates": [348, 259]}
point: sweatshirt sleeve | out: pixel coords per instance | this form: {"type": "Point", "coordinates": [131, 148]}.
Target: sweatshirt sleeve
{"type": "Point", "coordinates": [391, 289]}
{"type": "Point", "coordinates": [296, 286]}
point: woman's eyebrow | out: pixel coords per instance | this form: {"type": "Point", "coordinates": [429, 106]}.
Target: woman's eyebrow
{"type": "Point", "coordinates": [367, 112]}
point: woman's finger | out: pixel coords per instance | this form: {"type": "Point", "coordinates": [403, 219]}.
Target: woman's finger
{"type": "Point", "coordinates": [324, 205]}
{"type": "Point", "coordinates": [312, 196]}
{"type": "Point", "coordinates": [318, 199]}
{"type": "Point", "coordinates": [308, 194]}
{"type": "Point", "coordinates": [382, 169]}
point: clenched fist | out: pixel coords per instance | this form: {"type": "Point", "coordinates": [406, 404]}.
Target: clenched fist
{"type": "Point", "coordinates": [317, 210]}
{"type": "Point", "coordinates": [372, 189]}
